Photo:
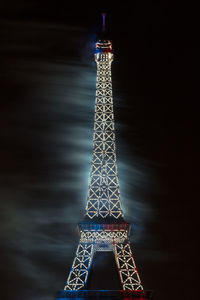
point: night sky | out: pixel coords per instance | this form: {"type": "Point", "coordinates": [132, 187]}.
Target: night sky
{"type": "Point", "coordinates": [47, 98]}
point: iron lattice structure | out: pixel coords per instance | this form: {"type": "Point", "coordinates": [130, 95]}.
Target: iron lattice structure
{"type": "Point", "coordinates": [104, 228]}
{"type": "Point", "coordinates": [104, 195]}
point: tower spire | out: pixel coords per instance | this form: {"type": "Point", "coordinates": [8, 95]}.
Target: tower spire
{"type": "Point", "coordinates": [103, 22]}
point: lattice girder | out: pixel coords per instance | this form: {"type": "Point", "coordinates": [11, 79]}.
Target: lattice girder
{"type": "Point", "coordinates": [126, 266]}
{"type": "Point", "coordinates": [80, 267]}
{"type": "Point", "coordinates": [104, 240]}
{"type": "Point", "coordinates": [97, 236]}
{"type": "Point", "coordinates": [104, 194]}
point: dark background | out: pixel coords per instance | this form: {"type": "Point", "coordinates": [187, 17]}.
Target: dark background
{"type": "Point", "coordinates": [46, 120]}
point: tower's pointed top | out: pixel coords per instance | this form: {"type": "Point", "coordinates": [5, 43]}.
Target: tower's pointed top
{"type": "Point", "coordinates": [104, 22]}
{"type": "Point", "coordinates": [103, 43]}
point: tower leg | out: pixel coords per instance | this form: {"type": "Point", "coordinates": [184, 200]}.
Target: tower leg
{"type": "Point", "coordinates": [80, 268]}
{"type": "Point", "coordinates": [126, 266]}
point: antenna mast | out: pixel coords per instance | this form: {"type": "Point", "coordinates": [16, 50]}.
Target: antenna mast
{"type": "Point", "coordinates": [104, 22]}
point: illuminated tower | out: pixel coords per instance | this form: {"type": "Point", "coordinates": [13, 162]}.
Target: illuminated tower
{"type": "Point", "coordinates": [104, 228]}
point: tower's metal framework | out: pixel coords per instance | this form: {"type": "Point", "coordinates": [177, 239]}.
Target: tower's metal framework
{"type": "Point", "coordinates": [104, 228]}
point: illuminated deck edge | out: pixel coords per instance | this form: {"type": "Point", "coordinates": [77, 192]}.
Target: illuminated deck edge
{"type": "Point", "coordinates": [104, 294]}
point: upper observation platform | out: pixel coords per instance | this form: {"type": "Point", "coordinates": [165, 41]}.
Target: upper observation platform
{"type": "Point", "coordinates": [103, 51]}
{"type": "Point", "coordinates": [103, 46]}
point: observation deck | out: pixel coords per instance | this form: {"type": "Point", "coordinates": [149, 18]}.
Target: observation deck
{"type": "Point", "coordinates": [103, 51]}
{"type": "Point", "coordinates": [103, 46]}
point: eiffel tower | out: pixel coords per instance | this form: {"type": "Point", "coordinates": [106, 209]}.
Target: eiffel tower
{"type": "Point", "coordinates": [104, 228]}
